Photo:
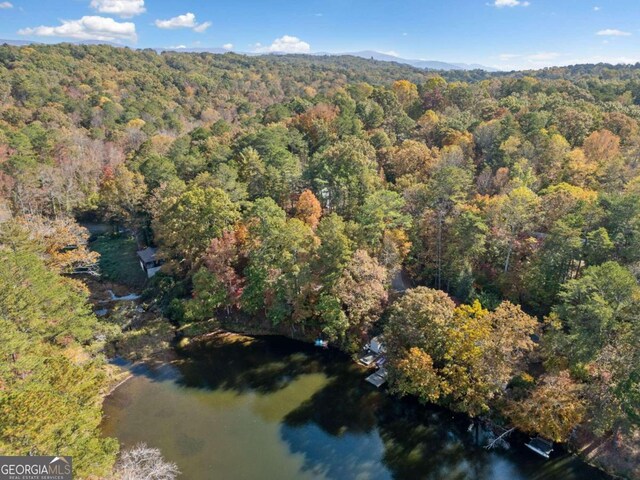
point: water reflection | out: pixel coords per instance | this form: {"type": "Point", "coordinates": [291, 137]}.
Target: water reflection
{"type": "Point", "coordinates": [273, 408]}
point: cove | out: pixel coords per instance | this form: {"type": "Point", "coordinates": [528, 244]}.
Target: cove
{"type": "Point", "coordinates": [274, 408]}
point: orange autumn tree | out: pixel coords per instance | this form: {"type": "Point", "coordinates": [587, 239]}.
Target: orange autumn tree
{"type": "Point", "coordinates": [63, 243]}
{"type": "Point", "coordinates": [308, 209]}
{"type": "Point", "coordinates": [601, 146]}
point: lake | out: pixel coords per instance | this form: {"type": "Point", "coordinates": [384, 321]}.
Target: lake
{"type": "Point", "coordinates": [273, 408]}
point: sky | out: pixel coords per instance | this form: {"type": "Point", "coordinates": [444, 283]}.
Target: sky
{"type": "Point", "coordinates": [506, 34]}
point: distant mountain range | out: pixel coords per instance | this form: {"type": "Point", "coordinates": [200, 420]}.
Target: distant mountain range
{"type": "Point", "coordinates": [17, 43]}
{"type": "Point", "coordinates": [22, 43]}
{"type": "Point", "coordinates": [425, 64]}
{"type": "Point", "coordinates": [366, 54]}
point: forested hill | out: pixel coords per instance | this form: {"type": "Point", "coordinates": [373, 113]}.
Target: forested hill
{"type": "Point", "coordinates": [234, 85]}
{"type": "Point", "coordinates": [289, 190]}
{"type": "Point", "coordinates": [178, 87]}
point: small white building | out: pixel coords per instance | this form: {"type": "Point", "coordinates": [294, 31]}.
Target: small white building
{"type": "Point", "coordinates": [149, 261]}
{"type": "Point", "coordinates": [376, 345]}
{"type": "Point", "coordinates": [373, 353]}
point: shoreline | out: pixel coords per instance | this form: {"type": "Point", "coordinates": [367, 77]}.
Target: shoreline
{"type": "Point", "coordinates": [227, 335]}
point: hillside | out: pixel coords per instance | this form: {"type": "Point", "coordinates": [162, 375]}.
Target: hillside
{"type": "Point", "coordinates": [285, 192]}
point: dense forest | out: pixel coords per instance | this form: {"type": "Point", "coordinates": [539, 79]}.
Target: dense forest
{"type": "Point", "coordinates": [292, 190]}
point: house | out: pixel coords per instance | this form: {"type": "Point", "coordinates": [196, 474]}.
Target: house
{"type": "Point", "coordinates": [149, 261]}
{"type": "Point", "coordinates": [376, 345]}
{"type": "Point", "coordinates": [374, 353]}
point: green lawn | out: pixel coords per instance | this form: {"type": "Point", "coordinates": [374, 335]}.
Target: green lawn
{"type": "Point", "coordinates": [118, 260]}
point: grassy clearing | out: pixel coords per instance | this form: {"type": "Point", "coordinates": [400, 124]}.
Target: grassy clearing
{"type": "Point", "coordinates": [149, 341]}
{"type": "Point", "coordinates": [118, 260]}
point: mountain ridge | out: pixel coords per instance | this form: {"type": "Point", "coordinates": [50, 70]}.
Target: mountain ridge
{"type": "Point", "coordinates": [365, 54]}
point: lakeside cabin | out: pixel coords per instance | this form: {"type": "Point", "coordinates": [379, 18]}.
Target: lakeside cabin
{"type": "Point", "coordinates": [374, 357]}
{"type": "Point", "coordinates": [373, 353]}
{"type": "Point", "coordinates": [376, 346]}
{"type": "Point", "coordinates": [149, 261]}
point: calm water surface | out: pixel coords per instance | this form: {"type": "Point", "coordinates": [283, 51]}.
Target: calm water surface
{"type": "Point", "coordinates": [276, 409]}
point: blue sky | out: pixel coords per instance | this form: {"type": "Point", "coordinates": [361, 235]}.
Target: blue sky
{"type": "Point", "coordinates": [500, 33]}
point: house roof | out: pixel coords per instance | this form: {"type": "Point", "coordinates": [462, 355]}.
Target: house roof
{"type": "Point", "coordinates": [376, 345]}
{"type": "Point", "coordinates": [148, 254]}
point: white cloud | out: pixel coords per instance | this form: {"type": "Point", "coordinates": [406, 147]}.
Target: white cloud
{"type": "Point", "coordinates": [543, 57]}
{"type": "Point", "coordinates": [509, 3]}
{"type": "Point", "coordinates": [202, 27]}
{"type": "Point", "coordinates": [188, 20]}
{"type": "Point", "coordinates": [228, 46]}
{"type": "Point", "coordinates": [392, 53]}
{"type": "Point", "coordinates": [548, 59]}
{"type": "Point", "coordinates": [284, 44]}
{"type": "Point", "coordinates": [87, 28]}
{"type": "Point", "coordinates": [505, 57]}
{"type": "Point", "coordinates": [604, 59]}
{"type": "Point", "coordinates": [122, 8]}
{"type": "Point", "coordinates": [596, 9]}
{"type": "Point", "coordinates": [4, 5]}
{"type": "Point", "coordinates": [613, 32]}
{"type": "Point", "coordinates": [529, 60]}
{"type": "Point", "coordinates": [178, 47]}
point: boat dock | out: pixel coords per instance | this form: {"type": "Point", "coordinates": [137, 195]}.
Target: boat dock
{"type": "Point", "coordinates": [378, 378]}
{"type": "Point", "coordinates": [541, 446]}
{"type": "Point", "coordinates": [374, 356]}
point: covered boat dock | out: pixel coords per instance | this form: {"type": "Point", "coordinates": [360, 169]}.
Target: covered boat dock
{"type": "Point", "coordinates": [378, 378]}
{"type": "Point", "coordinates": [541, 446]}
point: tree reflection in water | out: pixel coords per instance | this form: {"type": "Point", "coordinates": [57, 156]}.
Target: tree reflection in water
{"type": "Point", "coordinates": [324, 413]}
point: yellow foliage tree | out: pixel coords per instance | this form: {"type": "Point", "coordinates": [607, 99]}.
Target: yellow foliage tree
{"type": "Point", "coordinates": [406, 92]}
{"type": "Point", "coordinates": [553, 409]}
{"type": "Point", "coordinates": [460, 357]}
